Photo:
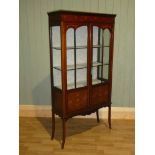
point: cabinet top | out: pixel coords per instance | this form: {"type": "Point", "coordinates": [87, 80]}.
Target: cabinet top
{"type": "Point", "coordinates": [65, 12]}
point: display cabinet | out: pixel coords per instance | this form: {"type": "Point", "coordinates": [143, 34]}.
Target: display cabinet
{"type": "Point", "coordinates": [81, 56]}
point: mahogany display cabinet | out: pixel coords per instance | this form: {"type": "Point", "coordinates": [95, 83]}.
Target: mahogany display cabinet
{"type": "Point", "coordinates": [81, 59]}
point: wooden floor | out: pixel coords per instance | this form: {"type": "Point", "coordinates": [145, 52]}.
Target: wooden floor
{"type": "Point", "coordinates": [84, 137]}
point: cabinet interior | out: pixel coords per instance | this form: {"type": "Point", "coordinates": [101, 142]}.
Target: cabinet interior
{"type": "Point", "coordinates": [77, 56]}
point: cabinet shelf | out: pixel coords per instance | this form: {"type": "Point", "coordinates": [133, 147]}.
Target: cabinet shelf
{"type": "Point", "coordinates": [78, 47]}
{"type": "Point", "coordinates": [80, 66]}
{"type": "Point", "coordinates": [99, 46]}
{"type": "Point", "coordinates": [81, 84]}
{"type": "Point", "coordinates": [71, 47]}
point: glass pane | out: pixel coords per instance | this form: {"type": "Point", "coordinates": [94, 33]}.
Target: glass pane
{"type": "Point", "coordinates": [106, 37]}
{"type": "Point", "coordinates": [56, 51]}
{"type": "Point", "coordinates": [106, 55]}
{"type": "Point", "coordinates": [81, 36]}
{"type": "Point", "coordinates": [81, 45]}
{"type": "Point", "coordinates": [70, 43]}
{"type": "Point", "coordinates": [76, 57]}
{"type": "Point", "coordinates": [101, 46]}
{"type": "Point", "coordinates": [105, 71]}
{"type": "Point", "coordinates": [95, 35]}
{"type": "Point", "coordinates": [70, 37]}
{"type": "Point", "coordinates": [57, 78]}
{"type": "Point", "coordinates": [70, 58]}
{"type": "Point", "coordinates": [81, 56]}
{"type": "Point", "coordinates": [81, 77]}
{"type": "Point", "coordinates": [70, 79]}
{"type": "Point", "coordinates": [56, 40]}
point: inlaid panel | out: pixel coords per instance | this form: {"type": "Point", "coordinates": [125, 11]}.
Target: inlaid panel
{"type": "Point", "coordinates": [100, 94]}
{"type": "Point", "coordinates": [77, 100]}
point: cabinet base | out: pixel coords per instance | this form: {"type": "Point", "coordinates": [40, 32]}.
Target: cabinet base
{"type": "Point", "coordinates": [84, 112]}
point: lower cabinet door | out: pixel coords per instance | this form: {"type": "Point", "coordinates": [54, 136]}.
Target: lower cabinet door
{"type": "Point", "coordinates": [100, 94]}
{"type": "Point", "coordinates": [77, 99]}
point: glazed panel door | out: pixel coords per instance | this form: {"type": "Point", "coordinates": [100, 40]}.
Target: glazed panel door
{"type": "Point", "coordinates": [77, 66]}
{"type": "Point", "coordinates": [76, 52]}
{"type": "Point", "coordinates": [100, 64]}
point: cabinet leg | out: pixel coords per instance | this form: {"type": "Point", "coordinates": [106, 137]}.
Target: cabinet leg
{"type": "Point", "coordinates": [63, 133]}
{"type": "Point", "coordinates": [109, 116]}
{"type": "Point", "coordinates": [53, 123]}
{"type": "Point", "coordinates": [97, 115]}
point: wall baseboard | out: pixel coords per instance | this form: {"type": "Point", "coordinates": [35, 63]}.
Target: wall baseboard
{"type": "Point", "coordinates": [45, 111]}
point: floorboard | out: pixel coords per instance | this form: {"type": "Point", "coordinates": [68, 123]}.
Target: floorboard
{"type": "Point", "coordinates": [84, 137]}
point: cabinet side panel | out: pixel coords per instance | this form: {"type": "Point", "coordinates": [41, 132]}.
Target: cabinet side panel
{"type": "Point", "coordinates": [100, 94]}
{"type": "Point", "coordinates": [77, 100]}
{"type": "Point", "coordinates": [57, 95]}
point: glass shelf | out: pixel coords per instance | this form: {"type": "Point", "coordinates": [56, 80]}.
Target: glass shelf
{"type": "Point", "coordinates": [78, 47]}
{"type": "Point", "coordinates": [99, 46]}
{"type": "Point", "coordinates": [70, 47]}
{"type": "Point", "coordinates": [72, 86]}
{"type": "Point", "coordinates": [80, 66]}
{"type": "Point", "coordinates": [81, 84]}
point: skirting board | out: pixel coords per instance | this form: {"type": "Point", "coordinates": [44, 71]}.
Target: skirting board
{"type": "Point", "coordinates": [45, 111]}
